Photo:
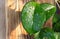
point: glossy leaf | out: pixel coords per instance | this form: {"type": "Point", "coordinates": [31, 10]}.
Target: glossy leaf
{"type": "Point", "coordinates": [32, 17]}
{"type": "Point", "coordinates": [49, 9]}
{"type": "Point", "coordinates": [46, 33]}
{"type": "Point", "coordinates": [27, 16]}
{"type": "Point", "coordinates": [39, 19]}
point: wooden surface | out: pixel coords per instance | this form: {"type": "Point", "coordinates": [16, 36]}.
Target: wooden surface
{"type": "Point", "coordinates": [2, 20]}
{"type": "Point", "coordinates": [15, 27]}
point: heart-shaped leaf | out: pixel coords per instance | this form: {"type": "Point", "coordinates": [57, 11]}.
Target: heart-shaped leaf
{"type": "Point", "coordinates": [27, 16]}
{"type": "Point", "coordinates": [33, 17]}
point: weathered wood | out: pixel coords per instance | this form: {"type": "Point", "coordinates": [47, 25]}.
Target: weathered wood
{"type": "Point", "coordinates": [2, 20]}
{"type": "Point", "coordinates": [15, 27]}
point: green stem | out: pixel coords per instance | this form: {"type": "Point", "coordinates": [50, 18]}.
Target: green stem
{"type": "Point", "coordinates": [36, 35]}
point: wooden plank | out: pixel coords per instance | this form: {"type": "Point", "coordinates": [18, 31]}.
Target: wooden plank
{"type": "Point", "coordinates": [2, 20]}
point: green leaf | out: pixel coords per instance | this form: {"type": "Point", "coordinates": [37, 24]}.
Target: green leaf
{"type": "Point", "coordinates": [56, 27]}
{"type": "Point", "coordinates": [57, 35]}
{"type": "Point", "coordinates": [55, 18]}
{"type": "Point", "coordinates": [46, 33]}
{"type": "Point", "coordinates": [49, 9]}
{"type": "Point", "coordinates": [36, 35]}
{"type": "Point", "coordinates": [56, 23]}
{"type": "Point", "coordinates": [27, 16]}
{"type": "Point", "coordinates": [33, 17]}
{"type": "Point", "coordinates": [39, 19]}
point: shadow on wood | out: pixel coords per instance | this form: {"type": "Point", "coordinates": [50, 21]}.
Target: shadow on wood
{"type": "Point", "coordinates": [22, 36]}
{"type": "Point", "coordinates": [15, 27]}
